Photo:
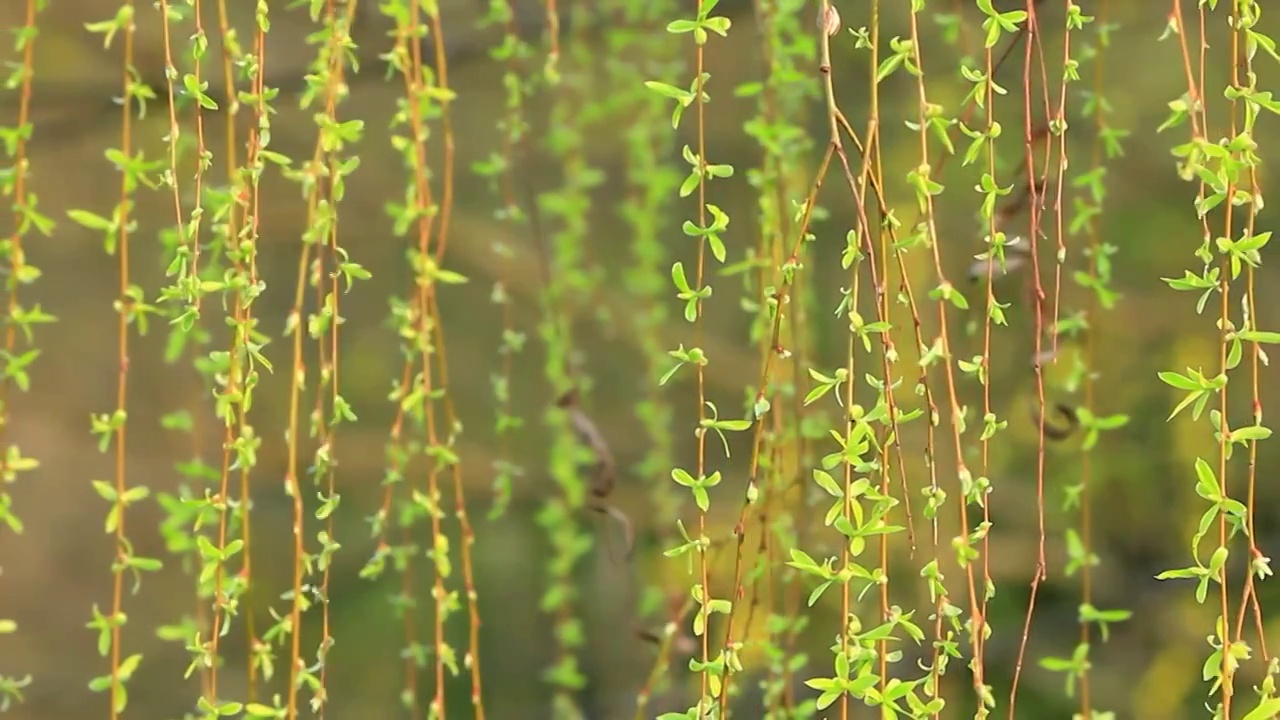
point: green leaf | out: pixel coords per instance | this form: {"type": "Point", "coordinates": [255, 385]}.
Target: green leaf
{"type": "Point", "coordinates": [105, 490]}
{"type": "Point", "coordinates": [683, 478]}
{"type": "Point", "coordinates": [690, 184]}
{"type": "Point", "coordinates": [1206, 479]}
{"type": "Point", "coordinates": [1218, 559]}
{"type": "Point", "coordinates": [1251, 432]}
{"type": "Point", "coordinates": [817, 393]}
{"type": "Point", "coordinates": [1180, 573]}
{"type": "Point", "coordinates": [1261, 336]}
{"type": "Point", "coordinates": [717, 247]}
{"type": "Point", "coordinates": [817, 593]}
{"type": "Point", "coordinates": [90, 220]}
{"type": "Point", "coordinates": [449, 277]}
{"type": "Point", "coordinates": [828, 483]}
{"type": "Point", "coordinates": [1266, 709]}
{"type": "Point", "coordinates": [681, 26]}
{"type": "Point", "coordinates": [678, 277]}
{"type": "Point", "coordinates": [666, 377]}
{"type": "Point", "coordinates": [801, 560]}
{"type": "Point", "coordinates": [889, 64]}
{"type": "Point", "coordinates": [828, 698]}
{"type": "Point", "coordinates": [1196, 396]}
{"type": "Point", "coordinates": [719, 25]}
{"type": "Point", "coordinates": [691, 310]}
{"type": "Point", "coordinates": [1179, 381]}
{"type": "Point", "coordinates": [701, 498]}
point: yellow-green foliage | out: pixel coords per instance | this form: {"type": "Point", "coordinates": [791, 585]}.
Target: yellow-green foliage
{"type": "Point", "coordinates": [637, 358]}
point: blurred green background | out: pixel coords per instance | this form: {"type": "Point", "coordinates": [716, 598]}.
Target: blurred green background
{"type": "Point", "coordinates": [1145, 508]}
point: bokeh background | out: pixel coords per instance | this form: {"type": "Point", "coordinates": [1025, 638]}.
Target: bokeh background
{"type": "Point", "coordinates": [1145, 509]}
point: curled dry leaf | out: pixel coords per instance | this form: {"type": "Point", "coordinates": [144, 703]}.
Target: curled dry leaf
{"type": "Point", "coordinates": [829, 20]}
{"type": "Point", "coordinates": [682, 642]}
{"type": "Point", "coordinates": [1045, 357]}
{"type": "Point", "coordinates": [604, 473]}
{"type": "Point", "coordinates": [1070, 422]}
{"type": "Point", "coordinates": [1016, 255]}
{"type": "Point", "coordinates": [1017, 251]}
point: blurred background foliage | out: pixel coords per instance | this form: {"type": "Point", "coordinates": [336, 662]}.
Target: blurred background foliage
{"type": "Point", "coordinates": [1145, 506]}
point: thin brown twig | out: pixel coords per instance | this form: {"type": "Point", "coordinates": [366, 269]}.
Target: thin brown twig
{"type": "Point", "coordinates": [247, 244]}
{"type": "Point", "coordinates": [234, 379]}
{"type": "Point", "coordinates": [329, 306]}
{"type": "Point", "coordinates": [1046, 431]}
{"type": "Point", "coordinates": [1249, 599]}
{"type": "Point", "coordinates": [125, 310]}
{"type": "Point", "coordinates": [1090, 353]}
{"type": "Point", "coordinates": [21, 204]}
{"type": "Point", "coordinates": [604, 473]}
